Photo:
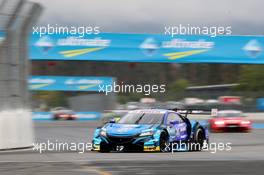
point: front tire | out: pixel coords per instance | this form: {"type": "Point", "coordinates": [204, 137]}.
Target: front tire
{"type": "Point", "coordinates": [199, 137]}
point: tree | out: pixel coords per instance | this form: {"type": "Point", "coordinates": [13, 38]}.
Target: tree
{"type": "Point", "coordinates": [176, 89]}
{"type": "Point", "coordinates": [51, 98]}
{"type": "Point", "coordinates": [251, 78]}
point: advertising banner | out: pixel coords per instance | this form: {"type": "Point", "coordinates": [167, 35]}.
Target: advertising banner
{"type": "Point", "coordinates": [2, 36]}
{"type": "Point", "coordinates": [68, 83]}
{"type": "Point", "coordinates": [260, 104]}
{"type": "Point", "coordinates": [149, 48]}
{"type": "Point", "coordinates": [80, 115]}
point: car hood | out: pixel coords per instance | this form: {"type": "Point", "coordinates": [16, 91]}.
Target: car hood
{"type": "Point", "coordinates": [115, 129]}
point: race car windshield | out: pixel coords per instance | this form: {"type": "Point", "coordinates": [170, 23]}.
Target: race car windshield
{"type": "Point", "coordinates": [141, 118]}
{"type": "Point", "coordinates": [234, 114]}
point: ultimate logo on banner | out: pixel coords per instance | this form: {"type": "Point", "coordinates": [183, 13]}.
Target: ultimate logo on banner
{"type": "Point", "coordinates": [67, 83]}
{"type": "Point", "coordinates": [149, 48]}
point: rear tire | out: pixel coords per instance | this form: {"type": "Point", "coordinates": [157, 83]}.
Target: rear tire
{"type": "Point", "coordinates": [163, 142]}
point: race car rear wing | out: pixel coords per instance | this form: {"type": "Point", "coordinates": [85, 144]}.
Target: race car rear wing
{"type": "Point", "coordinates": [185, 112]}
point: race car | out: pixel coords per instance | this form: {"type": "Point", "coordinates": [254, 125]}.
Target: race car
{"type": "Point", "coordinates": [229, 120]}
{"type": "Point", "coordinates": [150, 130]}
{"type": "Point", "coordinates": [61, 113]}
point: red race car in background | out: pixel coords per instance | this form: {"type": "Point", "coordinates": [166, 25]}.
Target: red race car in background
{"type": "Point", "coordinates": [229, 120]}
{"type": "Point", "coordinates": [61, 113]}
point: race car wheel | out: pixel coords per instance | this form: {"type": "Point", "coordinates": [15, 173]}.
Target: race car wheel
{"type": "Point", "coordinates": [199, 139]}
{"type": "Point", "coordinates": [164, 141]}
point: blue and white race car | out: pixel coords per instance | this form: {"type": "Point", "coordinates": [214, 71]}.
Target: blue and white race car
{"type": "Point", "coordinates": [151, 130]}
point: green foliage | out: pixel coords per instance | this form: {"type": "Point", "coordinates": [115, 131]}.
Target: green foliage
{"type": "Point", "coordinates": [176, 89]}
{"type": "Point", "coordinates": [52, 99]}
{"type": "Point", "coordinates": [178, 86]}
{"type": "Point", "coordinates": [251, 78]}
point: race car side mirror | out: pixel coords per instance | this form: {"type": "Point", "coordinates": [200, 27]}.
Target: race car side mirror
{"type": "Point", "coordinates": [112, 120]}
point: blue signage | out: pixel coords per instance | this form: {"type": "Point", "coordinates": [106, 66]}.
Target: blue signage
{"type": "Point", "coordinates": [2, 36]}
{"type": "Point", "coordinates": [149, 48]}
{"type": "Point", "coordinates": [67, 83]}
{"type": "Point", "coordinates": [80, 115]}
{"type": "Point", "coordinates": [260, 104]}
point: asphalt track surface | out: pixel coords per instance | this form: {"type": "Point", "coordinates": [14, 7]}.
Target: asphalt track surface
{"type": "Point", "coordinates": [245, 157]}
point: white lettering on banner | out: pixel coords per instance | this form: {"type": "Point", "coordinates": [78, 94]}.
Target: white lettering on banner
{"type": "Point", "coordinates": [83, 81]}
{"type": "Point", "coordinates": [181, 43]}
{"type": "Point", "coordinates": [38, 80]}
{"type": "Point", "coordinates": [75, 41]}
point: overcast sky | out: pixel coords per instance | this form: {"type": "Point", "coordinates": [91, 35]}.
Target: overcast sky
{"type": "Point", "coordinates": [150, 16]}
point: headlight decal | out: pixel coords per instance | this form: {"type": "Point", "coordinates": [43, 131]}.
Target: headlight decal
{"type": "Point", "coordinates": [103, 133]}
